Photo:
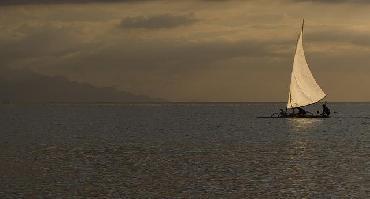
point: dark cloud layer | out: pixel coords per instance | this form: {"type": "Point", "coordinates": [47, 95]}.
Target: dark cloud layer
{"type": "Point", "coordinates": [343, 36]}
{"type": "Point", "coordinates": [25, 2]}
{"type": "Point", "coordinates": [33, 2]}
{"type": "Point", "coordinates": [159, 21]}
{"type": "Point", "coordinates": [22, 2]}
{"type": "Point", "coordinates": [333, 1]}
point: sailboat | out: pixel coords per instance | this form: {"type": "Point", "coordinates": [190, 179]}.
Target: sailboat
{"type": "Point", "coordinates": [304, 89]}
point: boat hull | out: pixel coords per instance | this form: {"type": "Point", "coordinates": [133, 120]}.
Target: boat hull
{"type": "Point", "coordinates": [304, 116]}
{"type": "Point", "coordinates": [298, 116]}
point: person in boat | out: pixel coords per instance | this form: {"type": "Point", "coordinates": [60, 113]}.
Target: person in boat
{"type": "Point", "coordinates": [301, 111]}
{"type": "Point", "coordinates": [325, 110]}
{"type": "Point", "coordinates": [283, 113]}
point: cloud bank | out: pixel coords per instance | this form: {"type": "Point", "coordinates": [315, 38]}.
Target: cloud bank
{"type": "Point", "coordinates": [191, 50]}
{"type": "Point", "coordinates": [28, 2]}
{"type": "Point", "coordinates": [158, 21]}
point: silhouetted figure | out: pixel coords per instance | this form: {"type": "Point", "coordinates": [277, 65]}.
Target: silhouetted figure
{"type": "Point", "coordinates": [301, 111]}
{"type": "Point", "coordinates": [325, 110]}
{"type": "Point", "coordinates": [283, 113]}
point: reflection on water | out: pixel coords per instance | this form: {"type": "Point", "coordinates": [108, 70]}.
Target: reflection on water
{"type": "Point", "coordinates": [299, 149]}
{"type": "Point", "coordinates": [301, 124]}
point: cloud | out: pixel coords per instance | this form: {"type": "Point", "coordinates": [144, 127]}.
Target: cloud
{"type": "Point", "coordinates": [333, 1]}
{"type": "Point", "coordinates": [332, 34]}
{"type": "Point", "coordinates": [30, 2]}
{"type": "Point", "coordinates": [158, 21]}
{"type": "Point", "coordinates": [25, 2]}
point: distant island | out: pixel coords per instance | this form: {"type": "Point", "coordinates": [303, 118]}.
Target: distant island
{"type": "Point", "coordinates": [19, 86]}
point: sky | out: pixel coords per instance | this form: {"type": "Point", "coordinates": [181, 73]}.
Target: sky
{"type": "Point", "coordinates": [191, 50]}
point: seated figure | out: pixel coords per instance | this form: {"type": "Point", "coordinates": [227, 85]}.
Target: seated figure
{"type": "Point", "coordinates": [301, 111]}
{"type": "Point", "coordinates": [325, 110]}
{"type": "Point", "coordinates": [283, 113]}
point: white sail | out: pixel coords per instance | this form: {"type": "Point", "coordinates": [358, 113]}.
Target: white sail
{"type": "Point", "coordinates": [304, 89]}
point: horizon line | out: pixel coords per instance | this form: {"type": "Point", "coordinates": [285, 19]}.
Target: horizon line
{"type": "Point", "coordinates": [168, 102]}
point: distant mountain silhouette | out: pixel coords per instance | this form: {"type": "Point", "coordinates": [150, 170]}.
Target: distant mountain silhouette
{"type": "Point", "coordinates": [20, 86]}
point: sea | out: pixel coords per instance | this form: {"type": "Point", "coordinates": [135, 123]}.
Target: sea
{"type": "Point", "coordinates": [182, 150]}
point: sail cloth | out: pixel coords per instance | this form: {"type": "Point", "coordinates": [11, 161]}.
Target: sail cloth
{"type": "Point", "coordinates": [304, 89]}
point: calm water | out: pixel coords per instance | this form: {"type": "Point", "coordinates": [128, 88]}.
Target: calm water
{"type": "Point", "coordinates": [182, 151]}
